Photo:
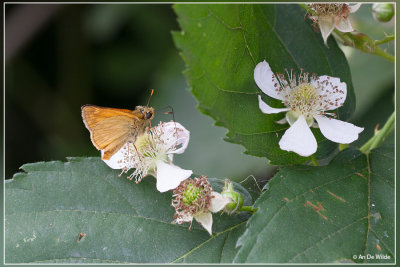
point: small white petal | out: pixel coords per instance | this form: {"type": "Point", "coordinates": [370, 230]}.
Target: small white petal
{"type": "Point", "coordinates": [299, 139]}
{"type": "Point", "coordinates": [266, 80]}
{"type": "Point", "coordinates": [205, 220]}
{"type": "Point", "coordinates": [326, 26]}
{"type": "Point", "coordinates": [343, 24]}
{"type": "Point", "coordinates": [170, 176]}
{"type": "Point", "coordinates": [354, 8]}
{"type": "Point", "coordinates": [334, 92]}
{"type": "Point", "coordinates": [338, 131]}
{"type": "Point", "coordinates": [218, 202]}
{"type": "Point", "coordinates": [265, 108]}
{"type": "Point", "coordinates": [170, 157]}
{"type": "Point", "coordinates": [118, 160]}
{"type": "Point", "coordinates": [282, 121]}
{"type": "Point", "coordinates": [183, 217]}
{"type": "Point", "coordinates": [176, 136]}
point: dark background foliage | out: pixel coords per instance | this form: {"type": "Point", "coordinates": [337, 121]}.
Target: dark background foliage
{"type": "Point", "coordinates": [104, 55]}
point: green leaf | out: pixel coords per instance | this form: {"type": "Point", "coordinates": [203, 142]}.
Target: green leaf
{"type": "Point", "coordinates": [336, 213]}
{"type": "Point", "coordinates": [221, 45]}
{"type": "Point", "coordinates": [48, 207]}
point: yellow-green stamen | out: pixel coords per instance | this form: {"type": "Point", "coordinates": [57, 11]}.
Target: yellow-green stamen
{"type": "Point", "coordinates": [191, 194]}
{"type": "Point", "coordinates": [303, 99]}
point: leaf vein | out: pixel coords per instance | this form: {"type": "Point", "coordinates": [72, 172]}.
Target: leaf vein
{"type": "Point", "coordinates": [327, 237]}
{"type": "Point", "coordinates": [287, 203]}
{"type": "Point", "coordinates": [97, 211]}
{"type": "Point", "coordinates": [206, 241]}
{"type": "Point", "coordinates": [80, 258]}
{"type": "Point", "coordinates": [380, 241]}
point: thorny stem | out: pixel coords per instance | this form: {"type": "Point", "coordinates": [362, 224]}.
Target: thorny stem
{"type": "Point", "coordinates": [248, 208]}
{"type": "Point", "coordinates": [363, 43]}
{"type": "Point", "coordinates": [379, 136]}
{"type": "Point", "coordinates": [385, 40]}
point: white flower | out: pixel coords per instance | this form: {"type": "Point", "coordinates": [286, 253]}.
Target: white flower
{"type": "Point", "coordinates": [329, 16]}
{"type": "Point", "coordinates": [306, 98]}
{"type": "Point", "coordinates": [195, 199]}
{"type": "Point", "coordinates": [152, 154]}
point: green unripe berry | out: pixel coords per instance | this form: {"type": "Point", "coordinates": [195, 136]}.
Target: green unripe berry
{"type": "Point", "coordinates": [382, 12]}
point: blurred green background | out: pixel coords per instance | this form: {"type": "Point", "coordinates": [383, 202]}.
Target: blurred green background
{"type": "Point", "coordinates": [60, 57]}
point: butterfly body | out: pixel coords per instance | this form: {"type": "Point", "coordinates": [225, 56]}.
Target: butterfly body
{"type": "Point", "coordinates": [111, 128]}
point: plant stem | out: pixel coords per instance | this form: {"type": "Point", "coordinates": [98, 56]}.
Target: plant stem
{"type": "Point", "coordinates": [343, 146]}
{"type": "Point", "coordinates": [304, 6]}
{"type": "Point", "coordinates": [363, 43]}
{"type": "Point", "coordinates": [314, 160]}
{"type": "Point", "coordinates": [382, 53]}
{"type": "Point", "coordinates": [248, 208]}
{"type": "Point", "coordinates": [379, 136]}
{"type": "Point", "coordinates": [385, 40]}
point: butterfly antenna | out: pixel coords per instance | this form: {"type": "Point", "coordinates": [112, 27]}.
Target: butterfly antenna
{"type": "Point", "coordinates": [173, 116]}
{"type": "Point", "coordinates": [171, 112]}
{"type": "Point", "coordinates": [148, 101]}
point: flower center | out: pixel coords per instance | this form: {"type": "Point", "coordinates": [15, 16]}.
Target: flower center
{"type": "Point", "coordinates": [143, 142]}
{"type": "Point", "coordinates": [149, 147]}
{"type": "Point", "coordinates": [191, 197]}
{"type": "Point", "coordinates": [191, 194]}
{"type": "Point", "coordinates": [303, 99]}
{"type": "Point", "coordinates": [342, 10]}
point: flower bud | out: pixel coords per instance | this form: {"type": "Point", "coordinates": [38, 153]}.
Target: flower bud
{"type": "Point", "coordinates": [382, 12]}
{"type": "Point", "coordinates": [237, 199]}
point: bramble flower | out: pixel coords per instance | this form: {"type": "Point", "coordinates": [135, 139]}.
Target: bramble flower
{"type": "Point", "coordinates": [195, 199]}
{"type": "Point", "coordinates": [329, 16]}
{"type": "Point", "coordinates": [152, 154]}
{"type": "Point", "coordinates": [306, 97]}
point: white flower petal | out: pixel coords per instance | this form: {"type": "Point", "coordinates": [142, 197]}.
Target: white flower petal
{"type": "Point", "coordinates": [205, 220]}
{"type": "Point", "coordinates": [333, 91]}
{"type": "Point", "coordinates": [266, 80]}
{"type": "Point", "coordinates": [183, 217]}
{"type": "Point", "coordinates": [354, 8]}
{"type": "Point", "coordinates": [326, 26]}
{"type": "Point", "coordinates": [265, 108]}
{"type": "Point", "coordinates": [338, 131]}
{"type": "Point", "coordinates": [218, 202]}
{"type": "Point", "coordinates": [282, 121]}
{"type": "Point", "coordinates": [343, 24]}
{"type": "Point", "coordinates": [299, 139]}
{"type": "Point", "coordinates": [176, 136]}
{"type": "Point", "coordinates": [170, 176]}
{"type": "Point", "coordinates": [119, 159]}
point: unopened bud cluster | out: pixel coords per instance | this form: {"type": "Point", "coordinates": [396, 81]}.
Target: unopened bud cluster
{"type": "Point", "coordinates": [236, 198]}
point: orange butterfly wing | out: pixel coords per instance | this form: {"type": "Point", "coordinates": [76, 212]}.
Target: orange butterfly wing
{"type": "Point", "coordinates": [111, 128]}
{"type": "Point", "coordinates": [92, 114]}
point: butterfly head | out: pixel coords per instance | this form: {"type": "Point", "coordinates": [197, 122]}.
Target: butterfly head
{"type": "Point", "coordinates": [147, 112]}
